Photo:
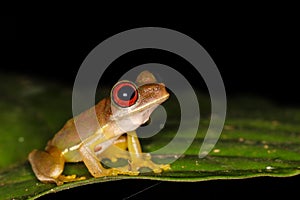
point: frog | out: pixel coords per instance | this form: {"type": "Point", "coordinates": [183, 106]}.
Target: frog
{"type": "Point", "coordinates": [108, 135]}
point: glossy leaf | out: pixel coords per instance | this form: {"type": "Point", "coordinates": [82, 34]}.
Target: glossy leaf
{"type": "Point", "coordinates": [259, 139]}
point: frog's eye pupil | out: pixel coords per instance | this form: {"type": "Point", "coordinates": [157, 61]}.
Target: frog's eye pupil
{"type": "Point", "coordinates": [124, 94]}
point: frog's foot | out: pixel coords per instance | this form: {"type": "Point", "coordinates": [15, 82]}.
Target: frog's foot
{"type": "Point", "coordinates": [123, 171]}
{"type": "Point", "coordinates": [115, 172]}
{"type": "Point", "coordinates": [134, 167]}
{"type": "Point", "coordinates": [145, 162]}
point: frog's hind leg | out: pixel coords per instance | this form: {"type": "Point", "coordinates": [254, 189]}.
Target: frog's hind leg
{"type": "Point", "coordinates": [48, 166]}
{"type": "Point", "coordinates": [139, 159]}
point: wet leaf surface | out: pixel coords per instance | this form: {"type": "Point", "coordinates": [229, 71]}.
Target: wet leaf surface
{"type": "Point", "coordinates": [259, 139]}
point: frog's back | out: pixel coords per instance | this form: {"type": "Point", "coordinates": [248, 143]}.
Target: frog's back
{"type": "Point", "coordinates": [68, 136]}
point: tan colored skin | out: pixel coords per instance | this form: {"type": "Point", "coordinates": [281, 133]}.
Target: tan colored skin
{"type": "Point", "coordinates": [101, 141]}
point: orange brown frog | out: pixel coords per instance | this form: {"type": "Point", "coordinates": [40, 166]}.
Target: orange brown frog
{"type": "Point", "coordinates": [129, 106]}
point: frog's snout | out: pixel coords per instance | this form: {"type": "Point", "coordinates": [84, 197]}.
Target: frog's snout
{"type": "Point", "coordinates": [163, 89]}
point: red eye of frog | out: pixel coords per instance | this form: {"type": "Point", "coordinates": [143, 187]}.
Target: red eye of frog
{"type": "Point", "coordinates": [124, 94]}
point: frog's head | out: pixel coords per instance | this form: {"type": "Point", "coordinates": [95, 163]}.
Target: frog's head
{"type": "Point", "coordinates": [133, 103]}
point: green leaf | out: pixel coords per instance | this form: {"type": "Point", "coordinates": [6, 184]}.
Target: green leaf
{"type": "Point", "coordinates": [258, 139]}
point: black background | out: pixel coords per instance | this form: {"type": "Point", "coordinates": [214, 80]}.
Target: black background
{"type": "Point", "coordinates": [256, 53]}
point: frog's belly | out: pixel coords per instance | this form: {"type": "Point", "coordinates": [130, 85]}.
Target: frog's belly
{"type": "Point", "coordinates": [100, 148]}
{"type": "Point", "coordinates": [75, 156]}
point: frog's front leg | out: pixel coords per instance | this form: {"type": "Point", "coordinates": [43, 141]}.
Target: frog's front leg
{"type": "Point", "coordinates": [48, 166]}
{"type": "Point", "coordinates": [91, 155]}
{"type": "Point", "coordinates": [139, 159]}
{"type": "Point", "coordinates": [92, 163]}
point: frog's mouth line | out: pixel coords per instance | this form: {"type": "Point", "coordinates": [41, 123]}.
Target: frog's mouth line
{"type": "Point", "coordinates": [142, 108]}
{"type": "Point", "coordinates": [148, 105]}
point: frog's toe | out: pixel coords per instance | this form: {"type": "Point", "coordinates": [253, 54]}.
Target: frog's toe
{"type": "Point", "coordinates": [126, 171]}
{"type": "Point", "coordinates": [156, 168]}
{"type": "Point", "coordinates": [165, 167]}
{"type": "Point", "coordinates": [121, 171]}
{"type": "Point", "coordinates": [65, 179]}
{"type": "Point", "coordinates": [136, 167]}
